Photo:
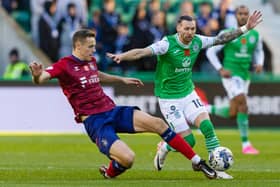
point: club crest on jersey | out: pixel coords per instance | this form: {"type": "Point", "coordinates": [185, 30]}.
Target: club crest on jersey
{"type": "Point", "coordinates": [76, 68]}
{"type": "Point", "coordinates": [252, 39]}
{"type": "Point", "coordinates": [86, 68]}
{"type": "Point", "coordinates": [91, 66]}
{"type": "Point", "coordinates": [195, 47]}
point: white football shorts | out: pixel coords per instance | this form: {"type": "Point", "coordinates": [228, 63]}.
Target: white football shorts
{"type": "Point", "coordinates": [180, 112]}
{"type": "Point", "coordinates": [235, 86]}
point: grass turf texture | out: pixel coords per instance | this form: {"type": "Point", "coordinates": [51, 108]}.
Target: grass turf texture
{"type": "Point", "coordinates": [72, 160]}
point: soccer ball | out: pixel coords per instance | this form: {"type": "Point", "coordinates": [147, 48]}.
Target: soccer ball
{"type": "Point", "coordinates": [221, 158]}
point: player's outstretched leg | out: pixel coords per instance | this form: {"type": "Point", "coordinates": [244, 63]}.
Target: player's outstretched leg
{"type": "Point", "coordinates": [212, 142]}
{"type": "Point", "coordinates": [243, 126]}
{"type": "Point", "coordinates": [144, 122]}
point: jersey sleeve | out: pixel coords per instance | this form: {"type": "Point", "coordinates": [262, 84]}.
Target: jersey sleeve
{"type": "Point", "coordinates": [160, 47]}
{"type": "Point", "coordinates": [211, 54]}
{"type": "Point", "coordinates": [56, 70]}
{"type": "Point", "coordinates": [258, 53]}
{"type": "Point", "coordinates": [206, 41]}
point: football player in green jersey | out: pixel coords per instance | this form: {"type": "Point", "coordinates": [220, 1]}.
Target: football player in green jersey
{"type": "Point", "coordinates": [238, 56]}
{"type": "Point", "coordinates": [174, 88]}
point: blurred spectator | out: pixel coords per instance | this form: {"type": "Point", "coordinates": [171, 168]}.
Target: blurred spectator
{"type": "Point", "coordinates": [94, 24]}
{"type": "Point", "coordinates": [158, 27]}
{"type": "Point", "coordinates": [37, 9]}
{"type": "Point", "coordinates": [225, 15]}
{"type": "Point", "coordinates": [17, 69]}
{"type": "Point", "coordinates": [20, 11]}
{"type": "Point", "coordinates": [67, 26]}
{"type": "Point", "coordinates": [123, 40]}
{"type": "Point", "coordinates": [140, 25]}
{"type": "Point", "coordinates": [141, 35]}
{"type": "Point", "coordinates": [123, 43]}
{"type": "Point", "coordinates": [208, 26]}
{"type": "Point", "coordinates": [186, 8]}
{"type": "Point", "coordinates": [153, 7]}
{"type": "Point", "coordinates": [81, 7]}
{"type": "Point", "coordinates": [48, 31]}
{"type": "Point", "coordinates": [109, 21]}
{"type": "Point", "coordinates": [10, 5]}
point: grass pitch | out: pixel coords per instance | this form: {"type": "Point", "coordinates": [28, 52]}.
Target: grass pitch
{"type": "Point", "coordinates": [72, 160]}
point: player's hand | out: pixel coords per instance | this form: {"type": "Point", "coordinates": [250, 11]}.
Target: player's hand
{"type": "Point", "coordinates": [114, 57]}
{"type": "Point", "coordinates": [225, 73]}
{"type": "Point", "coordinates": [258, 68]}
{"type": "Point", "coordinates": [36, 69]}
{"type": "Point", "coordinates": [133, 81]}
{"type": "Point", "coordinates": [254, 20]}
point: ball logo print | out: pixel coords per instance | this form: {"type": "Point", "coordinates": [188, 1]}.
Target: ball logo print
{"type": "Point", "coordinates": [221, 158]}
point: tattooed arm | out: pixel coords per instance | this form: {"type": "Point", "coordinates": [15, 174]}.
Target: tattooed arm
{"type": "Point", "coordinates": [225, 37]}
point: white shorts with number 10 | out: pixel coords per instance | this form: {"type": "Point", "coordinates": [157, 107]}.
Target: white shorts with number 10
{"type": "Point", "coordinates": [178, 112]}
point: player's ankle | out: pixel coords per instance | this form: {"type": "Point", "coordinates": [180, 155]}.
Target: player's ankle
{"type": "Point", "coordinates": [196, 159]}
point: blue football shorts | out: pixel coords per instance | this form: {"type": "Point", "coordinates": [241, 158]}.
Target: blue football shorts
{"type": "Point", "coordinates": [102, 128]}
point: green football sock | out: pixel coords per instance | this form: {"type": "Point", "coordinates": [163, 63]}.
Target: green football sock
{"type": "Point", "coordinates": [211, 140]}
{"type": "Point", "coordinates": [243, 125]}
{"type": "Point", "coordinates": [189, 138]}
{"type": "Point", "coordinates": [220, 111]}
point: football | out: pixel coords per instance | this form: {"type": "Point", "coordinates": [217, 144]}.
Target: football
{"type": "Point", "coordinates": [221, 158]}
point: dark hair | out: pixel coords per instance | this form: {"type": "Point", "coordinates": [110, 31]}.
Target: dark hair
{"type": "Point", "coordinates": [71, 5]}
{"type": "Point", "coordinates": [241, 6]}
{"type": "Point", "coordinates": [47, 5]}
{"type": "Point", "coordinates": [81, 35]}
{"type": "Point", "coordinates": [186, 18]}
{"type": "Point", "coordinates": [14, 51]}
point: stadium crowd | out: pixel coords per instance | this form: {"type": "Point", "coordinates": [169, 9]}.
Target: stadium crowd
{"type": "Point", "coordinates": [120, 25]}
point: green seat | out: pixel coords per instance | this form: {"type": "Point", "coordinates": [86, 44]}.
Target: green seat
{"type": "Point", "coordinates": [23, 19]}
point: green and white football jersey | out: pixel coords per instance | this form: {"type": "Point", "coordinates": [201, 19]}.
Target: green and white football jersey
{"type": "Point", "coordinates": [239, 54]}
{"type": "Point", "coordinates": [173, 77]}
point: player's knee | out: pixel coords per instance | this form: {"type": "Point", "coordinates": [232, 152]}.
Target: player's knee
{"type": "Point", "coordinates": [243, 108]}
{"type": "Point", "coordinates": [128, 159]}
{"type": "Point", "coordinates": [159, 125]}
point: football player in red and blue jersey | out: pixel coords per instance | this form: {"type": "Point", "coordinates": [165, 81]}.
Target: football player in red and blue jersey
{"type": "Point", "coordinates": [80, 81]}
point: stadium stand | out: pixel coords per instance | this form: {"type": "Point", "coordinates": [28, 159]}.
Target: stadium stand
{"type": "Point", "coordinates": [127, 9]}
{"type": "Point", "coordinates": [12, 35]}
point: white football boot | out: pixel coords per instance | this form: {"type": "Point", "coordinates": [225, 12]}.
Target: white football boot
{"type": "Point", "coordinates": [223, 175]}
{"type": "Point", "coordinates": [160, 155]}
